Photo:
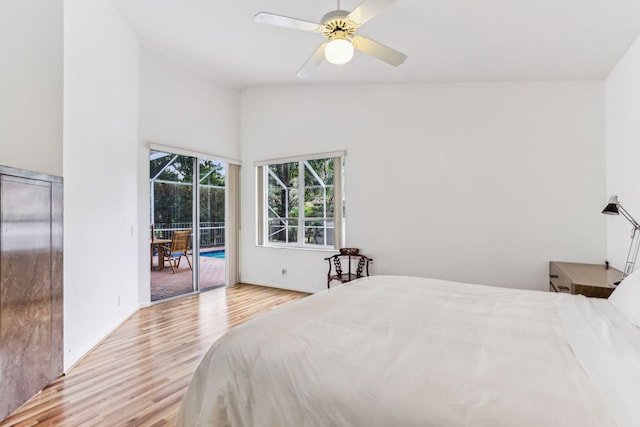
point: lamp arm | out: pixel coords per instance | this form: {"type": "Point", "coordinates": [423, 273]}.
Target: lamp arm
{"type": "Point", "coordinates": [629, 218]}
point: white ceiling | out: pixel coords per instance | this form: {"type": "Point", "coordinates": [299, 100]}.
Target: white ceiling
{"type": "Point", "coordinates": [445, 40]}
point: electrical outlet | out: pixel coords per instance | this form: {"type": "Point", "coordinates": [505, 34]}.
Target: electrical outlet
{"type": "Point", "coordinates": [284, 271]}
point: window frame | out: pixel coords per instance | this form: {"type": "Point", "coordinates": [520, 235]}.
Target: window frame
{"type": "Point", "coordinates": [262, 201]}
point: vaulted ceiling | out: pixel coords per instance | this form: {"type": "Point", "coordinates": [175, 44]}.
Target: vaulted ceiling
{"type": "Point", "coordinates": [445, 40]}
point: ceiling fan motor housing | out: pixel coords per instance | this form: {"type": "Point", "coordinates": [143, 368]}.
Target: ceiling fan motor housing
{"type": "Point", "coordinates": [338, 26]}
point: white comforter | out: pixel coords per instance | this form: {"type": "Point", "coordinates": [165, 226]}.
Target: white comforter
{"type": "Point", "coordinates": [399, 351]}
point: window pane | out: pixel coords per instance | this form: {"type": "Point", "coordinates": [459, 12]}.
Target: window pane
{"type": "Point", "coordinates": [282, 231]}
{"type": "Point", "coordinates": [212, 209]}
{"type": "Point", "coordinates": [318, 202]}
{"type": "Point", "coordinates": [158, 161]}
{"type": "Point", "coordinates": [323, 168]}
{"type": "Point", "coordinates": [212, 173]}
{"type": "Point", "coordinates": [172, 208]}
{"type": "Point", "coordinates": [318, 185]}
{"type": "Point", "coordinates": [318, 232]}
{"type": "Point", "coordinates": [293, 232]}
{"type": "Point", "coordinates": [284, 222]}
{"type": "Point", "coordinates": [171, 167]}
{"type": "Point", "coordinates": [282, 202]}
{"type": "Point", "coordinates": [172, 176]}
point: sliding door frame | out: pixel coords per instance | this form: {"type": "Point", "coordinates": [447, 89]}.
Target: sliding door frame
{"type": "Point", "coordinates": [232, 212]}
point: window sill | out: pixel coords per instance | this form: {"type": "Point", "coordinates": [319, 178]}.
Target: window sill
{"type": "Point", "coordinates": [299, 248]}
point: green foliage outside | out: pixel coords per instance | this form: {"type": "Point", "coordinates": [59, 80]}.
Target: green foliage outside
{"type": "Point", "coordinates": [288, 173]}
{"type": "Point", "coordinates": [173, 189]}
{"type": "Point", "coordinates": [283, 196]}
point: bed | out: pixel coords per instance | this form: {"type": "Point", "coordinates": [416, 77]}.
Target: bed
{"type": "Point", "coordinates": [406, 351]}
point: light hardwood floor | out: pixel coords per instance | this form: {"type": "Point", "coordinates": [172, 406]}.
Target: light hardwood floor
{"type": "Point", "coordinates": [138, 375]}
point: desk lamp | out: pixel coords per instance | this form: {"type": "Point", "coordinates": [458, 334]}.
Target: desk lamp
{"type": "Point", "coordinates": [615, 208]}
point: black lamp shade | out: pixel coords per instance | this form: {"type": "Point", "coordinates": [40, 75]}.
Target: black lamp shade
{"type": "Point", "coordinates": [611, 209]}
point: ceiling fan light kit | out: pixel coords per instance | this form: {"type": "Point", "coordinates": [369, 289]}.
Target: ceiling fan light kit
{"type": "Point", "coordinates": [338, 51]}
{"type": "Point", "coordinates": [339, 27]}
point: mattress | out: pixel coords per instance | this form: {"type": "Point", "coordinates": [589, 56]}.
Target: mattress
{"type": "Point", "coordinates": [405, 351]}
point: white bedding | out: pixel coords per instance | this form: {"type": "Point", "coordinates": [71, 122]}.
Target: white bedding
{"type": "Point", "coordinates": [400, 351]}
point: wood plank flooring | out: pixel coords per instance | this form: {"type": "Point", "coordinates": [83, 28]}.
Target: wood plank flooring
{"type": "Point", "coordinates": [139, 374]}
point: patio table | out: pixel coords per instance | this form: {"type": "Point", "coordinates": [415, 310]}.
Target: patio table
{"type": "Point", "coordinates": [156, 243]}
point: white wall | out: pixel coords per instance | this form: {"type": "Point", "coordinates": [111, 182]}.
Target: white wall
{"type": "Point", "coordinates": [623, 150]}
{"type": "Point", "coordinates": [483, 183]}
{"type": "Point", "coordinates": [179, 108]}
{"type": "Point", "coordinates": [100, 172]}
{"type": "Point", "coordinates": [31, 85]}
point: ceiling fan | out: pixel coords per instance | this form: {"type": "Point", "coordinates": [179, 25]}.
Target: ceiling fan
{"type": "Point", "coordinates": [339, 27]}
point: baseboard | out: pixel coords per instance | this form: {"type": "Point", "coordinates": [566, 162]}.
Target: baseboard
{"type": "Point", "coordinates": [287, 288]}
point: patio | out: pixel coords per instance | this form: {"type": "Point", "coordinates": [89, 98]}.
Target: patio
{"type": "Point", "coordinates": [166, 284]}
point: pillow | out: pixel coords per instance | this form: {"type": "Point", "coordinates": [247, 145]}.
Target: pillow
{"type": "Point", "coordinates": [626, 297]}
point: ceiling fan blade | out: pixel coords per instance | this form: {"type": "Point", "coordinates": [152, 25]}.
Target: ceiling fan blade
{"type": "Point", "coordinates": [312, 63]}
{"type": "Point", "coordinates": [285, 21]}
{"type": "Point", "coordinates": [368, 9]}
{"type": "Point", "coordinates": [378, 50]}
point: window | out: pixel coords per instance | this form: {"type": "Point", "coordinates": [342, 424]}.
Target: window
{"type": "Point", "coordinates": [300, 201]}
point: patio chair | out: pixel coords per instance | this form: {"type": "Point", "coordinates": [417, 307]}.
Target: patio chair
{"type": "Point", "coordinates": [173, 253]}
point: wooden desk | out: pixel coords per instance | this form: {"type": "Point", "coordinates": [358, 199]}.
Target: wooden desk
{"type": "Point", "coordinates": [156, 244]}
{"type": "Point", "coordinates": [591, 280]}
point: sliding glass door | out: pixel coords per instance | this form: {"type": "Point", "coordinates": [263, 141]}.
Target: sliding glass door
{"type": "Point", "coordinates": [212, 224]}
{"type": "Point", "coordinates": [187, 229]}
